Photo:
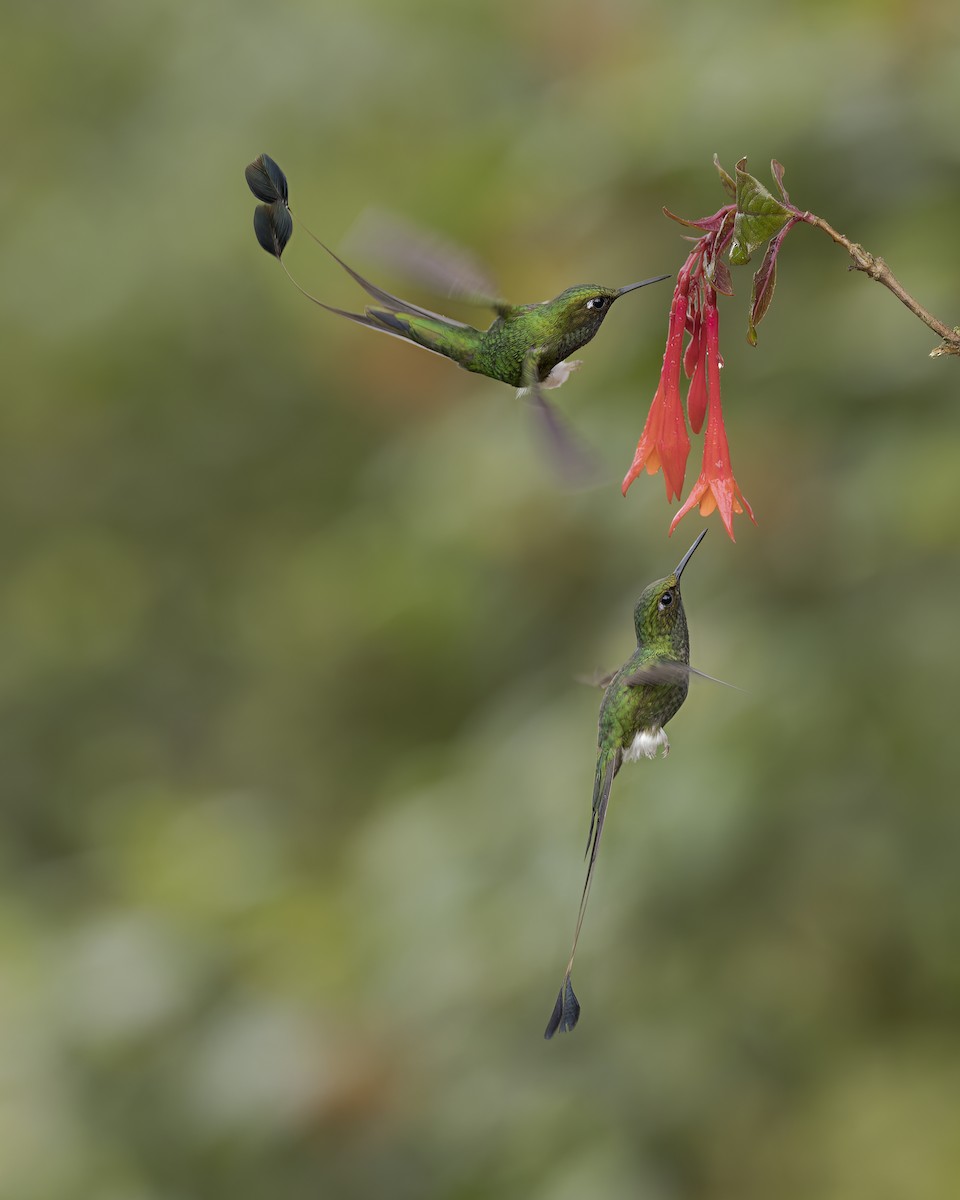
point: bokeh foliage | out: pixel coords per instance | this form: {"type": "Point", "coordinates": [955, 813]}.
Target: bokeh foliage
{"type": "Point", "coordinates": [295, 775]}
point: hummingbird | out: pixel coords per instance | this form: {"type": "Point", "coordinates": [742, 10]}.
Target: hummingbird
{"type": "Point", "coordinates": [638, 701]}
{"type": "Point", "coordinates": [526, 346]}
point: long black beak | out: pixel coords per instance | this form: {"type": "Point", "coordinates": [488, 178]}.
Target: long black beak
{"type": "Point", "coordinates": [689, 554]}
{"type": "Point", "coordinates": [632, 287]}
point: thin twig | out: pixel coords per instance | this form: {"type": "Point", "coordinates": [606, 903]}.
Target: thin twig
{"type": "Point", "coordinates": [877, 269]}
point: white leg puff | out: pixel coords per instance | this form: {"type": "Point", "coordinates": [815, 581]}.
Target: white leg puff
{"type": "Point", "coordinates": [646, 744]}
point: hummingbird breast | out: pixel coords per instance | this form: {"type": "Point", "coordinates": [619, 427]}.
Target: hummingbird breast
{"type": "Point", "coordinates": [504, 347]}
{"type": "Point", "coordinates": [633, 718]}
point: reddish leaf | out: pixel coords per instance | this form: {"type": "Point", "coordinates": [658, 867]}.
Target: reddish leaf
{"type": "Point", "coordinates": [719, 277]}
{"type": "Point", "coordinates": [729, 186]}
{"type": "Point", "coordinates": [725, 233]}
{"type": "Point", "coordinates": [707, 224]}
{"type": "Point", "coordinates": [764, 283]}
{"type": "Point", "coordinates": [776, 170]}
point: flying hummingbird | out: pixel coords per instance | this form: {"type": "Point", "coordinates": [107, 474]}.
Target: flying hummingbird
{"type": "Point", "coordinates": [526, 346]}
{"type": "Point", "coordinates": [638, 701]}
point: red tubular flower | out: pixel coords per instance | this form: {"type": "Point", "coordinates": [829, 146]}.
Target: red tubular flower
{"type": "Point", "coordinates": [695, 368]}
{"type": "Point", "coordinates": [716, 487]}
{"type": "Point", "coordinates": [664, 441]}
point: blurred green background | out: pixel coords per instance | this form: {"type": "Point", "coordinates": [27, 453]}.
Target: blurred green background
{"type": "Point", "coordinates": [295, 773]}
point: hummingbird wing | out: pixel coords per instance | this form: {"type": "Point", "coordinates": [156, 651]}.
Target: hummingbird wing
{"type": "Point", "coordinates": [575, 461]}
{"type": "Point", "coordinates": [426, 256]}
{"type": "Point", "coordinates": [566, 1011]}
{"type": "Point", "coordinates": [597, 679]}
{"type": "Point", "coordinates": [665, 671]}
{"type": "Point", "coordinates": [391, 302]}
{"type": "Point", "coordinates": [669, 670]}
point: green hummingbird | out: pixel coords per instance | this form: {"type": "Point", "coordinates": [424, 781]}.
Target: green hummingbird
{"type": "Point", "coordinates": [638, 701]}
{"type": "Point", "coordinates": [526, 346]}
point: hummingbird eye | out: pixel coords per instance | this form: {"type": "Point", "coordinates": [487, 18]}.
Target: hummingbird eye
{"type": "Point", "coordinates": [597, 303]}
{"type": "Point", "coordinates": [666, 600]}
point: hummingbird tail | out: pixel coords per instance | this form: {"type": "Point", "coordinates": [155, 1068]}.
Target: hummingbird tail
{"type": "Point", "coordinates": [273, 226]}
{"type": "Point", "coordinates": [265, 179]}
{"type": "Point", "coordinates": [439, 334]}
{"type": "Point", "coordinates": [607, 768]}
{"type": "Point", "coordinates": [566, 1011]}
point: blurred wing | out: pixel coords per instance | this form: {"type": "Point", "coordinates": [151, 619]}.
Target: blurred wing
{"type": "Point", "coordinates": [713, 679]}
{"type": "Point", "coordinates": [393, 303]}
{"type": "Point", "coordinates": [576, 463]}
{"type": "Point", "coordinates": [670, 671]}
{"type": "Point", "coordinates": [597, 679]}
{"type": "Point", "coordinates": [420, 254]}
{"type": "Point", "coordinates": [667, 671]}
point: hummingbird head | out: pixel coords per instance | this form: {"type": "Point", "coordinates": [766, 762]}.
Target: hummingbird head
{"type": "Point", "coordinates": [659, 612]}
{"type": "Point", "coordinates": [582, 308]}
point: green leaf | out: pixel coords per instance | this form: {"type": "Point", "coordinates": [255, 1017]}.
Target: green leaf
{"type": "Point", "coordinates": [759, 216]}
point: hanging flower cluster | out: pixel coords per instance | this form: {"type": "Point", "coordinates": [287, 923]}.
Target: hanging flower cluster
{"type": "Point", "coordinates": [734, 230]}
{"type": "Point", "coordinates": [664, 444]}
